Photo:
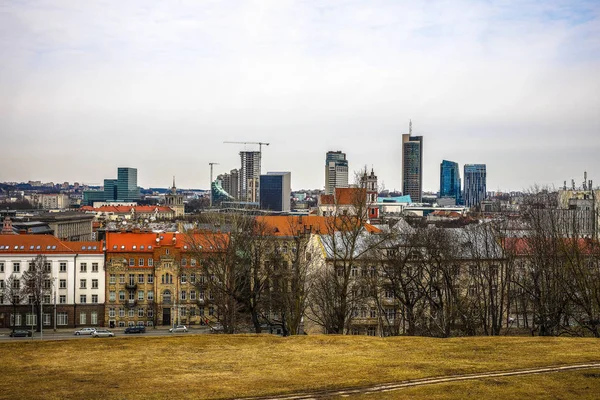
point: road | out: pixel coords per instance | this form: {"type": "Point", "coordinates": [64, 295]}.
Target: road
{"type": "Point", "coordinates": [68, 334]}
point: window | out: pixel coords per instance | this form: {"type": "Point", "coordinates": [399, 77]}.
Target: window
{"type": "Point", "coordinates": [46, 299]}
{"type": "Point", "coordinates": [1, 267]}
{"type": "Point", "coordinates": [183, 295]}
{"type": "Point", "coordinates": [150, 262]}
{"type": "Point", "coordinates": [131, 279]}
{"type": "Point", "coordinates": [112, 296]}
{"type": "Point", "coordinates": [141, 262]}
{"type": "Point", "coordinates": [183, 278]}
{"type": "Point", "coordinates": [140, 312]}
{"type": "Point", "coordinates": [201, 279]}
{"type": "Point", "coordinates": [150, 295]}
{"type": "Point", "coordinates": [47, 284]}
{"type": "Point", "coordinates": [94, 318]}
{"type": "Point", "coordinates": [62, 284]}
{"type": "Point", "coordinates": [131, 296]}
{"type": "Point", "coordinates": [201, 311]}
{"type": "Point", "coordinates": [83, 267]}
{"type": "Point", "coordinates": [47, 267]}
{"type": "Point", "coordinates": [167, 252]}
{"type": "Point", "coordinates": [131, 313]}
{"type": "Point", "coordinates": [141, 278]}
{"type": "Point", "coordinates": [371, 331]}
{"type": "Point", "coordinates": [150, 313]}
{"type": "Point", "coordinates": [15, 319]}
{"type": "Point", "coordinates": [192, 278]}
{"type": "Point", "coordinates": [211, 311]}
{"type": "Point", "coordinates": [83, 298]}
{"type": "Point", "coordinates": [192, 295]}
{"type": "Point", "coordinates": [121, 312]}
{"type": "Point", "coordinates": [193, 262]}
{"type": "Point", "coordinates": [112, 279]}
{"type": "Point", "coordinates": [131, 262]}
{"type": "Point", "coordinates": [62, 267]}
{"type": "Point", "coordinates": [82, 283]}
{"type": "Point", "coordinates": [16, 284]}
{"type": "Point", "coordinates": [47, 319]}
{"type": "Point", "coordinates": [354, 271]}
{"type": "Point", "coordinates": [150, 278]}
{"type": "Point", "coordinates": [62, 299]}
{"type": "Point", "coordinates": [30, 319]}
{"type": "Point", "coordinates": [192, 311]}
{"type": "Point", "coordinates": [31, 266]}
{"type": "Point", "coordinates": [95, 299]}
{"type": "Point", "coordinates": [82, 318]}
{"type": "Point", "coordinates": [94, 267]}
{"type": "Point", "coordinates": [94, 283]}
{"type": "Point", "coordinates": [111, 312]}
{"type": "Point", "coordinates": [140, 295]}
{"type": "Point", "coordinates": [184, 262]}
{"type": "Point", "coordinates": [183, 311]}
{"type": "Point", "coordinates": [1, 284]}
{"type": "Point", "coordinates": [16, 267]}
{"type": "Point", "coordinates": [121, 295]}
{"type": "Point", "coordinates": [201, 294]}
{"type": "Point", "coordinates": [62, 318]}
{"type": "Point", "coordinates": [373, 313]}
{"type": "Point", "coordinates": [122, 279]}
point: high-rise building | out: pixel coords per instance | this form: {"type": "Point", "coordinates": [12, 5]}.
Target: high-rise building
{"type": "Point", "coordinates": [412, 166]}
{"type": "Point", "coordinates": [230, 183]}
{"type": "Point", "coordinates": [450, 182]}
{"type": "Point", "coordinates": [475, 184]}
{"type": "Point", "coordinates": [336, 171]}
{"type": "Point", "coordinates": [275, 191]}
{"type": "Point", "coordinates": [127, 188]}
{"type": "Point", "coordinates": [249, 178]}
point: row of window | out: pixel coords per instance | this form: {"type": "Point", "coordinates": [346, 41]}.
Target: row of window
{"type": "Point", "coordinates": [166, 278]}
{"type": "Point", "coordinates": [62, 319]}
{"type": "Point", "coordinates": [149, 312]}
{"type": "Point", "coordinates": [62, 267]}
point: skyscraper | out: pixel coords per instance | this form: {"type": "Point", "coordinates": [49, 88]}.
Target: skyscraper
{"type": "Point", "coordinates": [475, 184]}
{"type": "Point", "coordinates": [275, 190]}
{"type": "Point", "coordinates": [127, 188]}
{"type": "Point", "coordinates": [412, 166]}
{"type": "Point", "coordinates": [450, 180]}
{"type": "Point", "coordinates": [336, 171]}
{"type": "Point", "coordinates": [249, 176]}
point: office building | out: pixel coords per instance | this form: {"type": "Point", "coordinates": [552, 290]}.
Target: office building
{"type": "Point", "coordinates": [275, 191]}
{"type": "Point", "coordinates": [475, 184]}
{"type": "Point", "coordinates": [450, 182]}
{"type": "Point", "coordinates": [249, 176]}
{"type": "Point", "coordinates": [127, 188]}
{"type": "Point", "coordinates": [336, 171]}
{"type": "Point", "coordinates": [412, 166]}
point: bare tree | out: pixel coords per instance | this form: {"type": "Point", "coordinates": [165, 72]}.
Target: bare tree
{"type": "Point", "coordinates": [13, 292]}
{"type": "Point", "coordinates": [37, 284]}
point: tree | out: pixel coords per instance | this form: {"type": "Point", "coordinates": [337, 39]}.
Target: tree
{"type": "Point", "coordinates": [13, 291]}
{"type": "Point", "coordinates": [37, 284]}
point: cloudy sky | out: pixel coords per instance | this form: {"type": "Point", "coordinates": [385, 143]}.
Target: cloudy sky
{"type": "Point", "coordinates": [87, 86]}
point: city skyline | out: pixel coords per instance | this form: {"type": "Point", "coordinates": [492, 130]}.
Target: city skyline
{"type": "Point", "coordinates": [513, 86]}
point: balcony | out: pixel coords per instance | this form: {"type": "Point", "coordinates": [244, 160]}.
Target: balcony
{"type": "Point", "coordinates": [130, 303]}
{"type": "Point", "coordinates": [131, 286]}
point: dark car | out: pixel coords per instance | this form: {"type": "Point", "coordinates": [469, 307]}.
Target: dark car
{"type": "Point", "coordinates": [21, 333]}
{"type": "Point", "coordinates": [135, 329]}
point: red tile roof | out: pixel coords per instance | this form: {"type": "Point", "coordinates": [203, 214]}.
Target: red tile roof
{"type": "Point", "coordinates": [44, 244]}
{"type": "Point", "coordinates": [127, 209]}
{"type": "Point", "coordinates": [142, 242]}
{"type": "Point", "coordinates": [345, 196]}
{"type": "Point", "coordinates": [282, 225]}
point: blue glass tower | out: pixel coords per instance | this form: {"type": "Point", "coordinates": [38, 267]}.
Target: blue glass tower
{"type": "Point", "coordinates": [450, 180]}
{"type": "Point", "coordinates": [475, 184]}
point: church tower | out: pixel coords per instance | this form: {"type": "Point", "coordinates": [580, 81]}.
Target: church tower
{"type": "Point", "coordinates": [175, 201]}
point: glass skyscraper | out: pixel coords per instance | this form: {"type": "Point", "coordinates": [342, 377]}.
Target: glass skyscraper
{"type": "Point", "coordinates": [450, 180]}
{"type": "Point", "coordinates": [127, 188]}
{"type": "Point", "coordinates": [275, 191]}
{"type": "Point", "coordinates": [475, 184]}
{"type": "Point", "coordinates": [412, 167]}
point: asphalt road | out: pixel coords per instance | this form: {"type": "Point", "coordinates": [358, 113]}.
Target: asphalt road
{"type": "Point", "coordinates": [69, 334]}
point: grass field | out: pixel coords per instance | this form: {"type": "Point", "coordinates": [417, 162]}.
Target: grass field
{"type": "Point", "coordinates": [222, 366]}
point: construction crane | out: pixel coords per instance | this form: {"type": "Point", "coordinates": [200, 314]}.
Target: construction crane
{"type": "Point", "coordinates": [260, 144]}
{"type": "Point", "coordinates": [211, 179]}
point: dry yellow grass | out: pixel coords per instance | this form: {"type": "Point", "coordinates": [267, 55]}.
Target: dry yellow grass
{"type": "Point", "coordinates": [221, 366]}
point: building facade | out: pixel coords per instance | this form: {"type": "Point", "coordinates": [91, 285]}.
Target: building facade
{"type": "Point", "coordinates": [275, 191]}
{"type": "Point", "coordinates": [450, 182]}
{"type": "Point", "coordinates": [249, 176]}
{"type": "Point", "coordinates": [412, 166]}
{"type": "Point", "coordinates": [336, 171]}
{"type": "Point", "coordinates": [475, 184]}
{"type": "Point", "coordinates": [175, 201]}
{"type": "Point", "coordinates": [75, 284]}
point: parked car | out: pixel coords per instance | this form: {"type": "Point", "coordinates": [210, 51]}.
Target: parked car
{"type": "Point", "coordinates": [178, 328]}
{"type": "Point", "coordinates": [217, 328]}
{"type": "Point", "coordinates": [85, 331]}
{"type": "Point", "coordinates": [102, 333]}
{"type": "Point", "coordinates": [21, 333]}
{"type": "Point", "coordinates": [135, 329]}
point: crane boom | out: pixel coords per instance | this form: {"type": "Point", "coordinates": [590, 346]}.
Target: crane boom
{"type": "Point", "coordinates": [260, 144]}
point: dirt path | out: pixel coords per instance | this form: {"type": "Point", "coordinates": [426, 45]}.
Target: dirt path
{"type": "Point", "coordinates": [386, 387]}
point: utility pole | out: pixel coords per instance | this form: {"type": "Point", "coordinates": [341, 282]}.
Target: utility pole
{"type": "Point", "coordinates": [211, 180]}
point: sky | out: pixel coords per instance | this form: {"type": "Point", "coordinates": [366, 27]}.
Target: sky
{"type": "Point", "coordinates": [88, 86]}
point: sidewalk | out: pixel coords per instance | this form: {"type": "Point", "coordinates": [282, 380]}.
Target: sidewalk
{"type": "Point", "coordinates": [63, 331]}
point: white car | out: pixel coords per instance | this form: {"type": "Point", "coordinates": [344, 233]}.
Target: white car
{"type": "Point", "coordinates": [178, 328]}
{"type": "Point", "coordinates": [102, 333]}
{"type": "Point", "coordinates": [85, 331]}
